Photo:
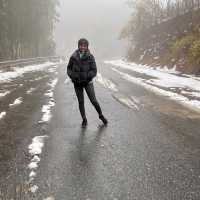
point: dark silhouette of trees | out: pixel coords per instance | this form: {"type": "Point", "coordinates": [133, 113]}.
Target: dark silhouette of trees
{"type": "Point", "coordinates": [27, 28]}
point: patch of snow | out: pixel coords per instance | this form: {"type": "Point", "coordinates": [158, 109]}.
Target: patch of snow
{"type": "Point", "coordinates": [3, 94]}
{"type": "Point", "coordinates": [53, 83]}
{"type": "Point", "coordinates": [193, 94]}
{"type": "Point", "coordinates": [37, 79]}
{"type": "Point", "coordinates": [46, 109]}
{"type": "Point", "coordinates": [127, 101]}
{"type": "Point", "coordinates": [34, 188]}
{"type": "Point", "coordinates": [52, 70]}
{"type": "Point", "coordinates": [33, 165]}
{"type": "Point", "coordinates": [159, 77]}
{"type": "Point", "coordinates": [16, 102]}
{"type": "Point", "coordinates": [32, 174]}
{"type": "Point", "coordinates": [49, 93]}
{"type": "Point", "coordinates": [35, 148]}
{"type": "Point", "coordinates": [30, 90]}
{"type": "Point", "coordinates": [19, 71]}
{"type": "Point", "coordinates": [50, 198]}
{"type": "Point", "coordinates": [35, 158]}
{"type": "Point", "coordinates": [2, 114]}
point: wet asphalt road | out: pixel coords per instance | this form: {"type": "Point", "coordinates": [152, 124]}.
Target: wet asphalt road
{"type": "Point", "coordinates": [149, 151]}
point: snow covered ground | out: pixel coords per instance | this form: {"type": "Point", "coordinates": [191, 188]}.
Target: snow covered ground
{"type": "Point", "coordinates": [19, 71]}
{"type": "Point", "coordinates": [183, 88]}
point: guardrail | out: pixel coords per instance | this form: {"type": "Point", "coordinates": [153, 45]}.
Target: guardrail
{"type": "Point", "coordinates": [29, 61]}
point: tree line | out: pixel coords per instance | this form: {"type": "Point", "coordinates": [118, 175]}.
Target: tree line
{"type": "Point", "coordinates": [27, 28]}
{"type": "Point", "coordinates": [147, 13]}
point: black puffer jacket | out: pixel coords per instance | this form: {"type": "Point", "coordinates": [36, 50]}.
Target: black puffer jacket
{"type": "Point", "coordinates": [81, 70]}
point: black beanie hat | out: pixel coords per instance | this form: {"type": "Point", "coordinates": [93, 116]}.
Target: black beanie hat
{"type": "Point", "coordinates": [83, 41]}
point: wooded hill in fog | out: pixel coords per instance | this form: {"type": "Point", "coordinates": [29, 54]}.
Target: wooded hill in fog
{"type": "Point", "coordinates": [165, 33]}
{"type": "Point", "coordinates": [27, 28]}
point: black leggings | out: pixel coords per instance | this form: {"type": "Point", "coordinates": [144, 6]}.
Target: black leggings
{"type": "Point", "coordinates": [89, 88]}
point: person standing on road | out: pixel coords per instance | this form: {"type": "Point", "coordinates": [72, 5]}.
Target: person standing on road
{"type": "Point", "coordinates": [82, 69]}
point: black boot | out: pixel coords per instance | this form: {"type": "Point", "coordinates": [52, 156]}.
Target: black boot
{"type": "Point", "coordinates": [84, 123]}
{"type": "Point", "coordinates": [103, 119]}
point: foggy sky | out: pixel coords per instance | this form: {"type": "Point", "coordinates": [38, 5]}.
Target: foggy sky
{"type": "Point", "coordinates": [100, 21]}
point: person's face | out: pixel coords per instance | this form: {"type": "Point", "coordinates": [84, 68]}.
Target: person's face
{"type": "Point", "coordinates": [83, 47]}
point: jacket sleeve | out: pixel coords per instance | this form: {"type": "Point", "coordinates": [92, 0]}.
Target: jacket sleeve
{"type": "Point", "coordinates": [69, 67]}
{"type": "Point", "coordinates": [93, 68]}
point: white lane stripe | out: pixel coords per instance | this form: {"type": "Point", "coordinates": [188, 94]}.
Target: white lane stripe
{"type": "Point", "coordinates": [191, 104]}
{"type": "Point", "coordinates": [106, 82]}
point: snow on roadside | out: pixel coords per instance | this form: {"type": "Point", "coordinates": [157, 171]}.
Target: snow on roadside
{"type": "Point", "coordinates": [166, 69]}
{"type": "Point", "coordinates": [19, 71]}
{"type": "Point", "coordinates": [162, 77]}
{"type": "Point", "coordinates": [30, 90]}
{"type": "Point", "coordinates": [164, 82]}
{"type": "Point", "coordinates": [191, 104]}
